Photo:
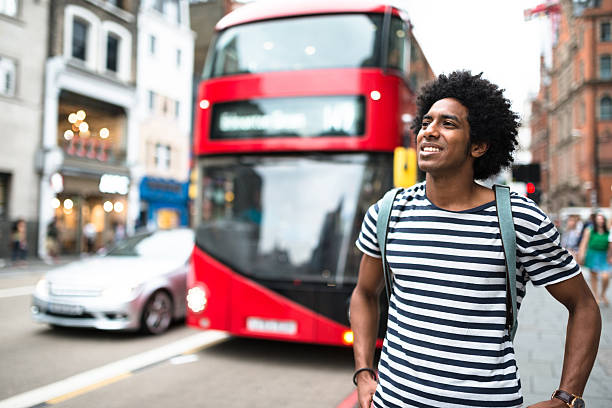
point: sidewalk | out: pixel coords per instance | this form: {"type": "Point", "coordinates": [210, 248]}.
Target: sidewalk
{"type": "Point", "coordinates": [539, 346]}
{"type": "Point", "coordinates": [33, 265]}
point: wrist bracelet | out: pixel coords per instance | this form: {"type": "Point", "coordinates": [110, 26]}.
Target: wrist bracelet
{"type": "Point", "coordinates": [368, 369]}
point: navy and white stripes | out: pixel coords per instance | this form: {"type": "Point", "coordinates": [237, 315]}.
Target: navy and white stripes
{"type": "Point", "coordinates": [446, 344]}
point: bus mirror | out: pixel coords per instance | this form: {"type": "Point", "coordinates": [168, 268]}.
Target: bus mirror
{"type": "Point", "coordinates": [404, 167]}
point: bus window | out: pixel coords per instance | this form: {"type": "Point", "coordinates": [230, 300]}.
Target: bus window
{"type": "Point", "coordinates": [299, 43]}
{"type": "Point", "coordinates": [397, 45]}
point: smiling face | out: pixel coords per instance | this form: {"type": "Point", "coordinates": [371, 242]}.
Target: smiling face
{"type": "Point", "coordinates": [443, 142]}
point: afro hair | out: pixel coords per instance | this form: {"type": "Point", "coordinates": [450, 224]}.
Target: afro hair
{"type": "Point", "coordinates": [489, 114]}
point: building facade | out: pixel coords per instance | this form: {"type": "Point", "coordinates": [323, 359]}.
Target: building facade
{"type": "Point", "coordinates": [90, 125]}
{"type": "Point", "coordinates": [577, 107]}
{"type": "Point", "coordinates": [23, 49]}
{"type": "Point", "coordinates": [164, 88]}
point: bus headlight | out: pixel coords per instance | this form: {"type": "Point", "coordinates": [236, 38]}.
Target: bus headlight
{"type": "Point", "coordinates": [196, 299]}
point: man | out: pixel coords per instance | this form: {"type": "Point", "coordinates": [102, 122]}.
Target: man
{"type": "Point", "coordinates": [572, 234]}
{"type": "Point", "coordinates": [446, 344]}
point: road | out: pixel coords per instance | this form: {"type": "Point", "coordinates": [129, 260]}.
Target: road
{"type": "Point", "coordinates": [87, 368]}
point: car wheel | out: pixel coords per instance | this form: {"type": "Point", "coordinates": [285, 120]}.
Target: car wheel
{"type": "Point", "coordinates": [157, 313]}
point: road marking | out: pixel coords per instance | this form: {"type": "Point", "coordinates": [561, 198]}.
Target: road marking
{"type": "Point", "coordinates": [184, 359]}
{"type": "Point", "coordinates": [85, 390]}
{"type": "Point", "coordinates": [19, 291]}
{"type": "Point", "coordinates": [98, 377]}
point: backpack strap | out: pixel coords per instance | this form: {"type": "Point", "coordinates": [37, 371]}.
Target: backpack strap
{"type": "Point", "coordinates": [382, 226]}
{"type": "Point", "coordinates": [508, 237]}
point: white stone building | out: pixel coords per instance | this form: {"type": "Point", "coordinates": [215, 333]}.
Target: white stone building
{"type": "Point", "coordinates": [164, 86]}
{"type": "Point", "coordinates": [90, 125]}
{"type": "Point", "coordinates": [23, 49]}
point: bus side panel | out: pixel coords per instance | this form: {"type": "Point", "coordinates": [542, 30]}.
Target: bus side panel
{"type": "Point", "coordinates": [256, 311]}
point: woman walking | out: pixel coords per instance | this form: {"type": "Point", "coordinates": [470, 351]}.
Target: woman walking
{"type": "Point", "coordinates": [594, 253]}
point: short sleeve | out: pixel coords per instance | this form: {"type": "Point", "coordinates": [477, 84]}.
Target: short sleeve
{"type": "Point", "coordinates": [543, 258]}
{"type": "Point", "coordinates": [367, 241]}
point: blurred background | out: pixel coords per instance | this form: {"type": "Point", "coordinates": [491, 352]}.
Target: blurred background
{"type": "Point", "coordinates": [97, 105]}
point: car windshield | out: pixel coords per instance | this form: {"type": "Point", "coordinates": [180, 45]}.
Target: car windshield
{"type": "Point", "coordinates": [289, 217]}
{"type": "Point", "coordinates": [298, 43]}
{"type": "Point", "coordinates": [160, 244]}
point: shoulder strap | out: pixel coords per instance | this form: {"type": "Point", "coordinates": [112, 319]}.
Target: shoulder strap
{"type": "Point", "coordinates": [508, 236]}
{"type": "Point", "coordinates": [382, 226]}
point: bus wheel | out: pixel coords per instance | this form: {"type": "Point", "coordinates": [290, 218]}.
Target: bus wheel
{"type": "Point", "coordinates": [157, 313]}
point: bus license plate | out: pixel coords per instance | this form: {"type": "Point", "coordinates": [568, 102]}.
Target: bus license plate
{"type": "Point", "coordinates": [72, 310]}
{"type": "Point", "coordinates": [256, 324]}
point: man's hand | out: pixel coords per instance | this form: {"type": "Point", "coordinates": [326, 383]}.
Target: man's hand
{"type": "Point", "coordinates": [551, 403]}
{"type": "Point", "coordinates": [366, 387]}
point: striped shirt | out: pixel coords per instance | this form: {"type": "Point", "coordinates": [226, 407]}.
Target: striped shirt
{"type": "Point", "coordinates": [446, 343]}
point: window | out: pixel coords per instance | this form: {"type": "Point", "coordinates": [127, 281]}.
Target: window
{"type": "Point", "coordinates": [112, 52]}
{"type": "Point", "coordinates": [178, 58]}
{"type": "Point", "coordinates": [605, 32]}
{"type": "Point", "coordinates": [151, 100]}
{"type": "Point", "coordinates": [172, 11]}
{"type": "Point", "coordinates": [79, 39]}
{"type": "Point", "coordinates": [162, 156]}
{"type": "Point", "coordinates": [177, 109]}
{"type": "Point", "coordinates": [289, 44]}
{"type": "Point", "coordinates": [116, 3]}
{"type": "Point", "coordinates": [7, 76]}
{"type": "Point", "coordinates": [5, 179]}
{"type": "Point", "coordinates": [8, 7]}
{"type": "Point", "coordinates": [605, 108]}
{"type": "Point", "coordinates": [605, 67]}
{"type": "Point", "coordinates": [152, 41]}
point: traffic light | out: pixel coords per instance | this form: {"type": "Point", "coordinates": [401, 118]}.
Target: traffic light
{"type": "Point", "coordinates": [533, 192]}
{"type": "Point", "coordinates": [526, 172]}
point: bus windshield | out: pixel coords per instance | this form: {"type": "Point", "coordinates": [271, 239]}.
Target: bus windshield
{"type": "Point", "coordinates": [299, 43]}
{"type": "Point", "coordinates": [288, 218]}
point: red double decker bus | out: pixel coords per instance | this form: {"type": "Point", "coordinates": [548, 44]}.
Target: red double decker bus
{"type": "Point", "coordinates": [301, 107]}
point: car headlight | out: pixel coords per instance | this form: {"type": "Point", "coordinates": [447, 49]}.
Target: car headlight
{"type": "Point", "coordinates": [42, 288]}
{"type": "Point", "coordinates": [119, 293]}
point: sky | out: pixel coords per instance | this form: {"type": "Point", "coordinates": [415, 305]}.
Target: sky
{"type": "Point", "coordinates": [489, 36]}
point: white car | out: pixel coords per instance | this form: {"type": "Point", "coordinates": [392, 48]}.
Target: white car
{"type": "Point", "coordinates": [138, 284]}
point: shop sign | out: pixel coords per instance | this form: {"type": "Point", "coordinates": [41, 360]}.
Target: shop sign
{"type": "Point", "coordinates": [114, 184]}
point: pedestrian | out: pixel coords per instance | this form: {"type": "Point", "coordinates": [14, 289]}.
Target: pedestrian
{"type": "Point", "coordinates": [19, 242]}
{"type": "Point", "coordinates": [89, 232]}
{"type": "Point", "coordinates": [594, 250]}
{"type": "Point", "coordinates": [52, 240]}
{"type": "Point", "coordinates": [446, 343]}
{"type": "Point", "coordinates": [572, 234]}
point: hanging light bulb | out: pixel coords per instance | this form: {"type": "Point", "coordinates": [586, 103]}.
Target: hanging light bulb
{"type": "Point", "coordinates": [81, 115]}
{"type": "Point", "coordinates": [72, 118]}
{"type": "Point", "coordinates": [83, 127]}
{"type": "Point", "coordinates": [68, 135]}
{"type": "Point", "coordinates": [118, 206]}
{"type": "Point", "coordinates": [104, 133]}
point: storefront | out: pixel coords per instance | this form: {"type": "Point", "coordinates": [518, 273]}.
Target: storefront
{"type": "Point", "coordinates": [163, 203]}
{"type": "Point", "coordinates": [90, 212]}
